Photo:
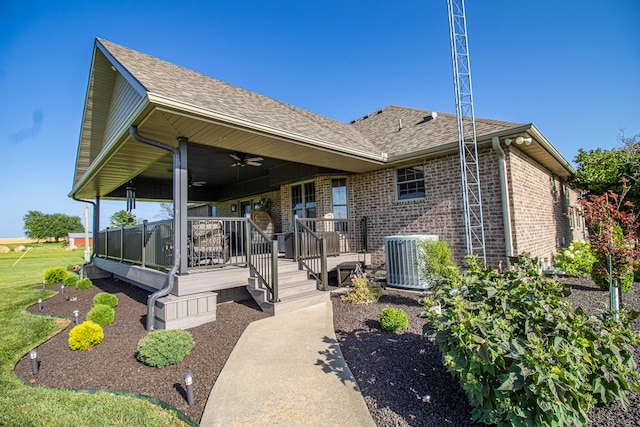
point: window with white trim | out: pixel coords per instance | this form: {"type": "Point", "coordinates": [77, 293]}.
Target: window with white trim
{"type": "Point", "coordinates": [410, 183]}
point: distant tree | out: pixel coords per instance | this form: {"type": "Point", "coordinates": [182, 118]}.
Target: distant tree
{"type": "Point", "coordinates": [120, 218]}
{"type": "Point", "coordinates": [43, 226]}
{"type": "Point", "coordinates": [166, 209]}
{"type": "Point", "coordinates": [618, 170]}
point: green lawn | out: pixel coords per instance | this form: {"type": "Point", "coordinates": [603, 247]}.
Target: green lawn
{"type": "Point", "coordinates": [22, 405]}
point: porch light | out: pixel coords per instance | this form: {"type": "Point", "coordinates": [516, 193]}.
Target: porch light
{"type": "Point", "coordinates": [76, 314]}
{"type": "Point", "coordinates": [35, 365]}
{"type": "Point", "coordinates": [188, 381]}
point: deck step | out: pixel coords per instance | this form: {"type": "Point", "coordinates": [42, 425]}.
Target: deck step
{"type": "Point", "coordinates": [295, 292]}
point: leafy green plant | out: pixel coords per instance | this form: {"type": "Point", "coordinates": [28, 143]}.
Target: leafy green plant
{"type": "Point", "coordinates": [105, 298]}
{"type": "Point", "coordinates": [435, 261]}
{"type": "Point", "coordinates": [101, 314]}
{"type": "Point", "coordinates": [524, 356]}
{"type": "Point", "coordinates": [575, 259]}
{"type": "Point", "coordinates": [164, 347]}
{"type": "Point", "coordinates": [55, 275]}
{"type": "Point", "coordinates": [364, 291]}
{"type": "Point", "coordinates": [393, 319]}
{"type": "Point", "coordinates": [85, 283]}
{"type": "Point", "coordinates": [85, 335]}
{"type": "Point", "coordinates": [71, 279]}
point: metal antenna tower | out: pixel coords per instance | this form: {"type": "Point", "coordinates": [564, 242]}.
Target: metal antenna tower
{"type": "Point", "coordinates": [471, 196]}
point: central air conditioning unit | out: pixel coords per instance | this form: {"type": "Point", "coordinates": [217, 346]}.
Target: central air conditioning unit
{"type": "Point", "coordinates": [402, 255]}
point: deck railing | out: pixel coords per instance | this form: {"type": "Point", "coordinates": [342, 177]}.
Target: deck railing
{"type": "Point", "coordinates": [262, 257]}
{"type": "Point", "coordinates": [216, 241]}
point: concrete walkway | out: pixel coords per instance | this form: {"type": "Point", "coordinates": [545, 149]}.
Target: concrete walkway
{"type": "Point", "coordinates": [287, 370]}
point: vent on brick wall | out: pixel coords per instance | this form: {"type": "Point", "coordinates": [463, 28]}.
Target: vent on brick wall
{"type": "Point", "coordinates": [402, 256]}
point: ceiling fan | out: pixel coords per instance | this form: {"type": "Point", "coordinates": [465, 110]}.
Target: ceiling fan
{"type": "Point", "coordinates": [193, 183]}
{"type": "Point", "coordinates": [242, 160]}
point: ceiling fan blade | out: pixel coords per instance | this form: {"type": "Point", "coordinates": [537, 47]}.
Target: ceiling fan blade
{"type": "Point", "coordinates": [198, 183]}
{"type": "Point", "coordinates": [235, 157]}
{"type": "Point", "coordinates": [254, 163]}
{"type": "Point", "coordinates": [255, 159]}
{"type": "Point", "coordinates": [235, 164]}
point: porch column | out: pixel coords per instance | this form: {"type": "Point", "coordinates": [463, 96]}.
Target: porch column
{"type": "Point", "coordinates": [180, 204]}
{"type": "Point", "coordinates": [96, 225]}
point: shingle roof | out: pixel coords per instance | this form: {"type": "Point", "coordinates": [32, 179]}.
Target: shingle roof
{"type": "Point", "coordinates": [401, 130]}
{"type": "Point", "coordinates": [186, 86]}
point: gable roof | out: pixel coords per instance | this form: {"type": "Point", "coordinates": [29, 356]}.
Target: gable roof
{"type": "Point", "coordinates": [127, 87]}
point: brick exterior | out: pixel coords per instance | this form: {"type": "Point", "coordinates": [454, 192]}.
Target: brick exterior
{"type": "Point", "coordinates": [540, 202]}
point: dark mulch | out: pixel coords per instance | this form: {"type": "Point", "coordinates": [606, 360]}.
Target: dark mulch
{"type": "Point", "coordinates": [401, 375]}
{"type": "Point", "coordinates": [112, 365]}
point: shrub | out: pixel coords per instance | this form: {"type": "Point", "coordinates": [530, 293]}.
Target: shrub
{"type": "Point", "coordinates": [576, 259]}
{"type": "Point", "coordinates": [55, 275]}
{"type": "Point", "coordinates": [626, 281]}
{"type": "Point", "coordinates": [101, 314]}
{"type": "Point", "coordinates": [71, 280]}
{"type": "Point", "coordinates": [105, 298]}
{"type": "Point", "coordinates": [524, 356]}
{"type": "Point", "coordinates": [364, 291]}
{"type": "Point", "coordinates": [435, 261]}
{"type": "Point", "coordinates": [84, 283]}
{"type": "Point", "coordinates": [393, 319]}
{"type": "Point", "coordinates": [85, 335]}
{"type": "Point", "coordinates": [164, 347]}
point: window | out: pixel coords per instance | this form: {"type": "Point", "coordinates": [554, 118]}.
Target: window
{"type": "Point", "coordinates": [303, 200]}
{"type": "Point", "coordinates": [410, 183]}
{"type": "Point", "coordinates": [339, 204]}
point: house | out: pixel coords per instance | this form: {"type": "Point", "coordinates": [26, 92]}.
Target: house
{"type": "Point", "coordinates": [162, 132]}
{"type": "Point", "coordinates": [78, 239]}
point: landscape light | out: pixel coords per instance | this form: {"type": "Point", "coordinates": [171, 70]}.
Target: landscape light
{"type": "Point", "coordinates": [44, 284]}
{"type": "Point", "coordinates": [188, 381]}
{"type": "Point", "coordinates": [62, 289]}
{"type": "Point", "coordinates": [76, 314]}
{"type": "Point", "coordinates": [40, 304]}
{"type": "Point", "coordinates": [35, 365]}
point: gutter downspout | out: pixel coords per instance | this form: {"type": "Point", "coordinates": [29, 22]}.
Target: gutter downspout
{"type": "Point", "coordinates": [151, 300]}
{"type": "Point", "coordinates": [504, 192]}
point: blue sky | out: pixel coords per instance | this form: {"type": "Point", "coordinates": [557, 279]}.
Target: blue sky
{"type": "Point", "coordinates": [570, 67]}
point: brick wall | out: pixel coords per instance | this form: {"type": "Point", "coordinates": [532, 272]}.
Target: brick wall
{"type": "Point", "coordinates": [539, 203]}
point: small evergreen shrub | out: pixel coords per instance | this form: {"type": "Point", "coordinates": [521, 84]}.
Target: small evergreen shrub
{"type": "Point", "coordinates": [85, 335]}
{"type": "Point", "coordinates": [575, 259]}
{"type": "Point", "coordinates": [364, 291]}
{"type": "Point", "coordinates": [55, 275]}
{"type": "Point", "coordinates": [84, 283]}
{"type": "Point", "coordinates": [393, 319]}
{"type": "Point", "coordinates": [101, 314]}
{"type": "Point", "coordinates": [105, 298]}
{"type": "Point", "coordinates": [523, 355]}
{"type": "Point", "coordinates": [164, 347]}
{"type": "Point", "coordinates": [71, 280]}
{"type": "Point", "coordinates": [435, 263]}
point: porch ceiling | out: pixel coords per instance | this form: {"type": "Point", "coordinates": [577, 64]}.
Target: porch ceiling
{"type": "Point", "coordinates": [211, 141]}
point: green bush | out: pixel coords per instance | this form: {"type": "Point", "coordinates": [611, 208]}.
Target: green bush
{"type": "Point", "coordinates": [435, 262]}
{"type": "Point", "coordinates": [85, 335]}
{"type": "Point", "coordinates": [84, 283]}
{"type": "Point", "coordinates": [626, 282]}
{"type": "Point", "coordinates": [105, 298]}
{"type": "Point", "coordinates": [393, 319]}
{"type": "Point", "coordinates": [164, 347]}
{"type": "Point", "coordinates": [364, 291]}
{"type": "Point", "coordinates": [575, 259]}
{"type": "Point", "coordinates": [524, 356]}
{"type": "Point", "coordinates": [101, 314]}
{"type": "Point", "coordinates": [71, 280]}
{"type": "Point", "coordinates": [55, 275]}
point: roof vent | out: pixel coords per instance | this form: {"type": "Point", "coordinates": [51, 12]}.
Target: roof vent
{"type": "Point", "coordinates": [430, 116]}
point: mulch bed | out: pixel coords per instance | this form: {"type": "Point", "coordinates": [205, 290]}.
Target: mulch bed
{"type": "Point", "coordinates": [112, 365]}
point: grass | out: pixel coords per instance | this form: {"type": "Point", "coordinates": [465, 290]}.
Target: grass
{"type": "Point", "coordinates": [22, 405]}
